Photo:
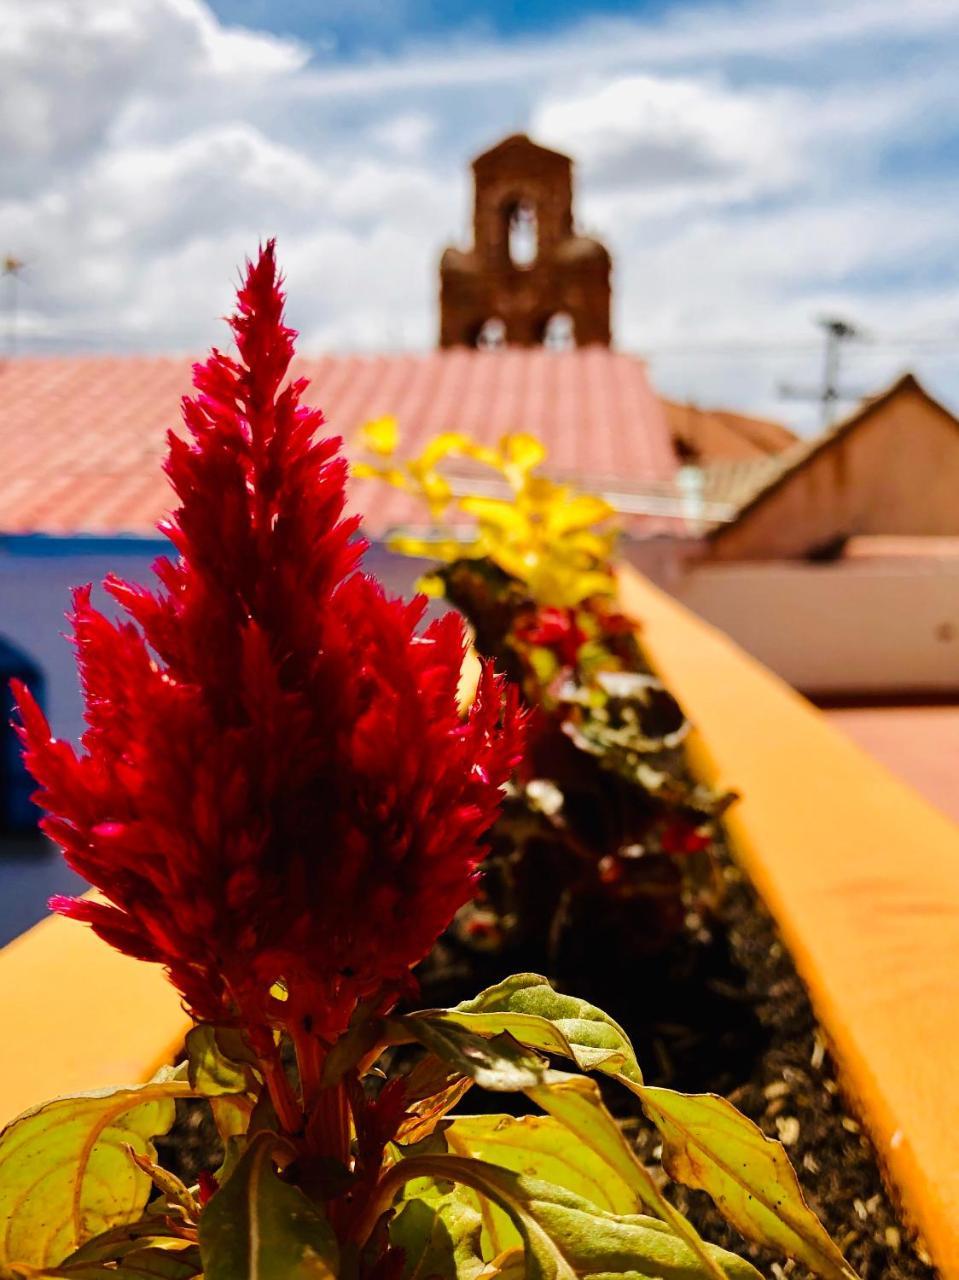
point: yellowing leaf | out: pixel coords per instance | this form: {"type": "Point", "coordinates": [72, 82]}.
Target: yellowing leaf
{"type": "Point", "coordinates": [503, 515]}
{"type": "Point", "coordinates": [541, 534]}
{"type": "Point", "coordinates": [577, 512]}
{"type": "Point", "coordinates": [469, 680]}
{"type": "Point", "coordinates": [381, 435]}
{"type": "Point", "coordinates": [446, 549]}
{"type": "Point", "coordinates": [521, 452]}
{"type": "Point", "coordinates": [575, 1103]}
{"type": "Point", "coordinates": [565, 1236]}
{"type": "Point", "coordinates": [539, 1147]}
{"type": "Point", "coordinates": [258, 1227]}
{"type": "Point", "coordinates": [392, 475]}
{"type": "Point", "coordinates": [65, 1171]}
{"type": "Point", "coordinates": [709, 1145]}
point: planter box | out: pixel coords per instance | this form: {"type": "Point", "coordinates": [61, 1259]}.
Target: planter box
{"type": "Point", "coordinates": [861, 875]}
{"type": "Point", "coordinates": [77, 1015]}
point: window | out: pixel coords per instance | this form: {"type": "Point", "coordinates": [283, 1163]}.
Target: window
{"type": "Point", "coordinates": [523, 235]}
{"type": "Point", "coordinates": [492, 334]}
{"type": "Point", "coordinates": [559, 332]}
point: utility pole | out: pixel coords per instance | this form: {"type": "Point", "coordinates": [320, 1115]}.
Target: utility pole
{"type": "Point", "coordinates": [12, 267]}
{"type": "Point", "coordinates": [837, 332]}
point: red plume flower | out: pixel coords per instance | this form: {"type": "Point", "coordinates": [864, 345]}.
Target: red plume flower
{"type": "Point", "coordinates": [276, 793]}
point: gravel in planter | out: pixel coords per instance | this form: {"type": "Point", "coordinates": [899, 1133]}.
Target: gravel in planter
{"type": "Point", "coordinates": [792, 1093]}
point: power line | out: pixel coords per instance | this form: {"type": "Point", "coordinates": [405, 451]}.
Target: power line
{"type": "Point", "coordinates": [747, 347]}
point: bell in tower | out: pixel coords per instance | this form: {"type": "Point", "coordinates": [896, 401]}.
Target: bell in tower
{"type": "Point", "coordinates": [529, 280]}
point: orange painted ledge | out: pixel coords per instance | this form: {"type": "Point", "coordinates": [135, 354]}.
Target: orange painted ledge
{"type": "Point", "coordinates": [76, 1015]}
{"type": "Point", "coordinates": [862, 877]}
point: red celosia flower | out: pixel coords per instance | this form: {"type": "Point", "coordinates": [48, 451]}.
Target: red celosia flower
{"type": "Point", "coordinates": [677, 836]}
{"type": "Point", "coordinates": [276, 793]}
{"type": "Point", "coordinates": [554, 629]}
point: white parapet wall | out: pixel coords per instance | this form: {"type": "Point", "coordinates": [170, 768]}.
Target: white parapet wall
{"type": "Point", "coordinates": [870, 626]}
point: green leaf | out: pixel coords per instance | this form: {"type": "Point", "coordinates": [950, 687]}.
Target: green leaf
{"type": "Point", "coordinates": [221, 1067]}
{"type": "Point", "coordinates": [162, 1226]}
{"type": "Point", "coordinates": [439, 1236]}
{"type": "Point", "coordinates": [498, 1062]}
{"type": "Point", "coordinates": [180, 1262]}
{"type": "Point", "coordinates": [527, 1007]}
{"type": "Point", "coordinates": [566, 1236]}
{"type": "Point", "coordinates": [575, 1102]}
{"type": "Point", "coordinates": [211, 1071]}
{"type": "Point", "coordinates": [65, 1173]}
{"type": "Point", "coordinates": [257, 1227]}
{"type": "Point", "coordinates": [161, 1264]}
{"type": "Point", "coordinates": [709, 1145]}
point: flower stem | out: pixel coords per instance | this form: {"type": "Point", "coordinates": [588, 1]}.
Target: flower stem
{"type": "Point", "coordinates": [281, 1094]}
{"type": "Point", "coordinates": [329, 1124]}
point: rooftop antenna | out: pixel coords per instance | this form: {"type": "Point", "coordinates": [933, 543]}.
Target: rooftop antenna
{"type": "Point", "coordinates": [837, 332]}
{"type": "Point", "coordinates": [12, 266]}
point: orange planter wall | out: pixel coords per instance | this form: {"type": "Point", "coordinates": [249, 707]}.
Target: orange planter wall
{"type": "Point", "coordinates": [862, 876]}
{"type": "Point", "coordinates": [76, 1015]}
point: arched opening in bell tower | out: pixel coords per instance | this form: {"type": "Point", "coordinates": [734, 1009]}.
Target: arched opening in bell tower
{"type": "Point", "coordinates": [522, 233]}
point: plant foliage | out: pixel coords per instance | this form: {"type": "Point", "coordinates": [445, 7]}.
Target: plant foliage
{"type": "Point", "coordinates": [605, 834]}
{"type": "Point", "coordinates": [281, 803]}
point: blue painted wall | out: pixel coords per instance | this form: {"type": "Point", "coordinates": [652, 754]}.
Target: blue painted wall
{"type": "Point", "coordinates": [37, 575]}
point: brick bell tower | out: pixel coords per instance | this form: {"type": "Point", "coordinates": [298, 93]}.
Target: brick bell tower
{"type": "Point", "coordinates": [529, 280]}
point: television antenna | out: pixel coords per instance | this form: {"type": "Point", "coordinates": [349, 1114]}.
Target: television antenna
{"type": "Point", "coordinates": [837, 332]}
{"type": "Point", "coordinates": [10, 272]}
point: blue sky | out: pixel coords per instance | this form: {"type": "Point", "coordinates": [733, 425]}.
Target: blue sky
{"type": "Point", "coordinates": [752, 165]}
{"type": "Point", "coordinates": [358, 28]}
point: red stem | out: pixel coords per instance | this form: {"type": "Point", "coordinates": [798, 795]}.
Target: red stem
{"type": "Point", "coordinates": [281, 1095]}
{"type": "Point", "coordinates": [330, 1124]}
{"type": "Point", "coordinates": [326, 1106]}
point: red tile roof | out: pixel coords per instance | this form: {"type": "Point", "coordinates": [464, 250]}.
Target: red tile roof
{"type": "Point", "coordinates": [706, 435]}
{"type": "Point", "coordinates": [82, 438]}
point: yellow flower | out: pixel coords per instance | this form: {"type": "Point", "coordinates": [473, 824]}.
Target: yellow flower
{"type": "Point", "coordinates": [381, 436]}
{"type": "Point", "coordinates": [553, 539]}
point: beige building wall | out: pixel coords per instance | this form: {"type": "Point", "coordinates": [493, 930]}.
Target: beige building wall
{"type": "Point", "coordinates": [853, 627]}
{"type": "Point", "coordinates": [891, 469]}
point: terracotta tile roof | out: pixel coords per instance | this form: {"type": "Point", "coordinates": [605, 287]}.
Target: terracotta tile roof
{"type": "Point", "coordinates": [81, 438]}
{"type": "Point", "coordinates": [708, 435]}
{"type": "Point", "coordinates": [732, 482]}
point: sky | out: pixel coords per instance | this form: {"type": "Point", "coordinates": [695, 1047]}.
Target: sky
{"type": "Point", "coordinates": [752, 165]}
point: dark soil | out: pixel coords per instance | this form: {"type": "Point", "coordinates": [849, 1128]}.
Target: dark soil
{"type": "Point", "coordinates": [192, 1144]}
{"type": "Point", "coordinates": [687, 1010]}
{"type": "Point", "coordinates": [792, 1093]}
{"type": "Point", "coordinates": [722, 1011]}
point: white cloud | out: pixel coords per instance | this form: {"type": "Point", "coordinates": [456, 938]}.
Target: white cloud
{"type": "Point", "coordinates": [736, 160]}
{"type": "Point", "coordinates": [71, 69]}
{"type": "Point", "coordinates": [406, 134]}
{"type": "Point", "coordinates": [673, 137]}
